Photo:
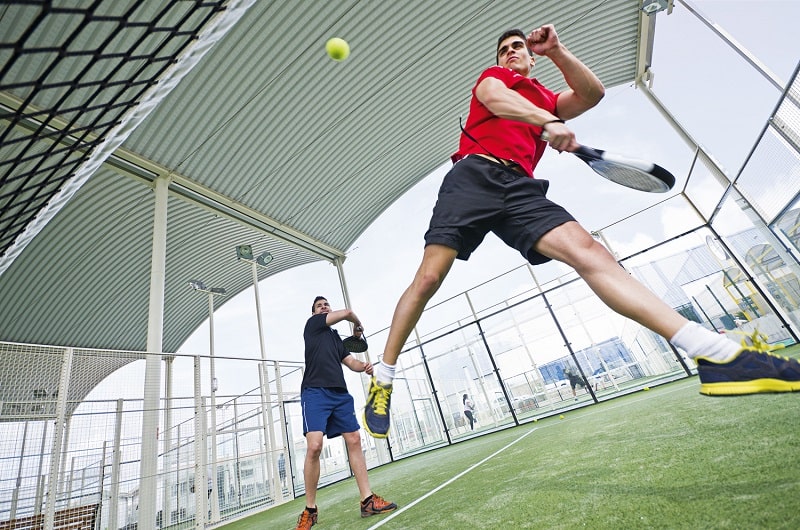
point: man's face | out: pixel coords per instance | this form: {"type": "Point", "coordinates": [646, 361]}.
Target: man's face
{"type": "Point", "coordinates": [322, 306]}
{"type": "Point", "coordinates": [513, 54]}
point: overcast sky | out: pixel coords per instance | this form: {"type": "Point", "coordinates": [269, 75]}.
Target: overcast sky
{"type": "Point", "coordinates": [708, 96]}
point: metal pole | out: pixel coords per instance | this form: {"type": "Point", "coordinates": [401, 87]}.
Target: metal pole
{"type": "Point", "coordinates": [214, 498]}
{"type": "Point", "coordinates": [64, 456]}
{"type": "Point", "coordinates": [266, 396]}
{"type": "Point", "coordinates": [281, 414]}
{"type": "Point", "coordinates": [148, 469]}
{"type": "Point", "coordinates": [116, 458]}
{"type": "Point", "coordinates": [15, 495]}
{"type": "Point", "coordinates": [169, 458]}
{"type": "Point", "coordinates": [237, 463]}
{"type": "Point", "coordinates": [199, 452]}
{"type": "Point", "coordinates": [101, 479]}
{"type": "Point", "coordinates": [58, 433]}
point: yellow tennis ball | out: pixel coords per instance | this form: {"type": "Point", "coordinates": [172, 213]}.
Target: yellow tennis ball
{"type": "Point", "coordinates": [337, 49]}
{"type": "Point", "coordinates": [561, 416]}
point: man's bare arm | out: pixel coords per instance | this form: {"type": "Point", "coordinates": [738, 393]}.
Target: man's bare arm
{"type": "Point", "coordinates": [585, 88]}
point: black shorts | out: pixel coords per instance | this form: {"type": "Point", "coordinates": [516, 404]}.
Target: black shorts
{"type": "Point", "coordinates": [575, 381]}
{"type": "Point", "coordinates": [479, 196]}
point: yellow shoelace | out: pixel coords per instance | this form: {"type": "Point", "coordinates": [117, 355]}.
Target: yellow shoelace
{"type": "Point", "coordinates": [758, 341]}
{"type": "Point", "coordinates": [380, 398]}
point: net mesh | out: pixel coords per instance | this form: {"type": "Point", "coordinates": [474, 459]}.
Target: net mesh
{"type": "Point", "coordinates": [63, 89]}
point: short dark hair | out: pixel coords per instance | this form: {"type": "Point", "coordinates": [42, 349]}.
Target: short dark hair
{"type": "Point", "coordinates": [317, 299]}
{"type": "Point", "coordinates": [516, 32]}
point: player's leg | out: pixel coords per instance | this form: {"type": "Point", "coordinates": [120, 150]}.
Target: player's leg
{"type": "Point", "coordinates": [343, 421]}
{"type": "Point", "coordinates": [436, 263]}
{"type": "Point", "coordinates": [358, 463]}
{"type": "Point", "coordinates": [724, 367]}
{"type": "Point", "coordinates": [316, 410]}
{"type": "Point", "coordinates": [311, 466]}
{"type": "Point", "coordinates": [572, 244]}
{"type": "Point", "coordinates": [371, 503]}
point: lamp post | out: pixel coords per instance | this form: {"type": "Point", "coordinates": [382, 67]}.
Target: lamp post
{"type": "Point", "coordinates": [245, 253]}
{"type": "Point", "coordinates": [198, 285]}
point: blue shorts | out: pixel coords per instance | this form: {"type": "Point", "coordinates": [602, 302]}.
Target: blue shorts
{"type": "Point", "coordinates": [479, 196]}
{"type": "Point", "coordinates": [329, 411]}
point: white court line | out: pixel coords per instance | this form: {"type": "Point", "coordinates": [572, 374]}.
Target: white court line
{"type": "Point", "coordinates": [434, 490]}
{"type": "Point", "coordinates": [588, 413]}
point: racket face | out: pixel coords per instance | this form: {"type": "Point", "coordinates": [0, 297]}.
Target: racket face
{"type": "Point", "coordinates": [355, 344]}
{"type": "Point", "coordinates": [630, 177]}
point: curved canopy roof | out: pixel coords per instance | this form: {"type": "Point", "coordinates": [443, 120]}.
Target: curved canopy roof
{"type": "Point", "coordinates": [261, 136]}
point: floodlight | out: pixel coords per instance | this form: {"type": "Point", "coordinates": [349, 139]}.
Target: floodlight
{"type": "Point", "coordinates": [197, 285]}
{"type": "Point", "coordinates": [654, 6]}
{"type": "Point", "coordinates": [244, 252]}
{"type": "Point", "coordinates": [264, 259]}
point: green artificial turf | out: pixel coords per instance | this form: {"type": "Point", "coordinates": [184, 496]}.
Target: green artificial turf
{"type": "Point", "coordinates": [663, 458]}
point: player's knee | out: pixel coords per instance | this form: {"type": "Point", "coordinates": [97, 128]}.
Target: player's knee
{"type": "Point", "coordinates": [427, 283]}
{"type": "Point", "coordinates": [593, 257]}
{"type": "Point", "coordinates": [352, 439]}
{"type": "Point", "coordinates": [313, 449]}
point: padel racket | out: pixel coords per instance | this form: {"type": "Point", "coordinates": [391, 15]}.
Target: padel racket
{"type": "Point", "coordinates": [630, 172]}
{"type": "Point", "coordinates": [355, 344]}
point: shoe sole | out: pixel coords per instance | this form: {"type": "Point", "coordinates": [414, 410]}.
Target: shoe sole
{"type": "Point", "coordinates": [369, 514]}
{"type": "Point", "coordinates": [373, 434]}
{"type": "Point", "coordinates": [756, 386]}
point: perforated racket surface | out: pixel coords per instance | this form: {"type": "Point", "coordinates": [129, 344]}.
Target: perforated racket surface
{"type": "Point", "coordinates": [355, 344]}
{"type": "Point", "coordinates": [630, 172]}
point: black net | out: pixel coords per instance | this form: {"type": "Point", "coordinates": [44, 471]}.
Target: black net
{"type": "Point", "coordinates": [68, 76]}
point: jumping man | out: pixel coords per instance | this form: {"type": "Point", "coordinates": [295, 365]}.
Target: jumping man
{"type": "Point", "coordinates": [491, 188]}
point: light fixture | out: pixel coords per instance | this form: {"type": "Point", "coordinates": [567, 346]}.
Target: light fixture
{"type": "Point", "coordinates": [197, 285]}
{"type": "Point", "coordinates": [654, 6]}
{"type": "Point", "coordinates": [264, 259]}
{"type": "Point", "coordinates": [244, 252]}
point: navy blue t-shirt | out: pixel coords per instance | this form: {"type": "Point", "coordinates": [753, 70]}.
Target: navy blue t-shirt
{"type": "Point", "coordinates": [324, 355]}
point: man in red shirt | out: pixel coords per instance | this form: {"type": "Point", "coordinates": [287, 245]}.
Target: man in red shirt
{"type": "Point", "coordinates": [490, 188]}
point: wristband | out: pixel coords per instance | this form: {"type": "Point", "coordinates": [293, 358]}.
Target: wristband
{"type": "Point", "coordinates": [552, 121]}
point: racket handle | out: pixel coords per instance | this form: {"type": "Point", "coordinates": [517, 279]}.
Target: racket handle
{"type": "Point", "coordinates": [545, 136]}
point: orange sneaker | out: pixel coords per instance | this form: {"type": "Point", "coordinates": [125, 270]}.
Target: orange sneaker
{"type": "Point", "coordinates": [307, 520]}
{"type": "Point", "coordinates": [375, 504]}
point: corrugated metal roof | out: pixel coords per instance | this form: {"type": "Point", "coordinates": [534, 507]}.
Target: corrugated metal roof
{"type": "Point", "coordinates": [265, 131]}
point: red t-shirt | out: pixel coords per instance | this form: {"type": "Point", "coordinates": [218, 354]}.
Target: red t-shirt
{"type": "Point", "coordinates": [507, 139]}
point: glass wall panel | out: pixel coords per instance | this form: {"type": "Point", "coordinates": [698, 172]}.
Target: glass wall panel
{"type": "Point", "coordinates": [610, 353]}
{"type": "Point", "coordinates": [705, 188]}
{"type": "Point", "coordinates": [771, 178]}
{"type": "Point", "coordinates": [768, 283]}
{"type": "Point", "coordinates": [459, 364]}
{"type": "Point", "coordinates": [787, 227]}
{"type": "Point", "coordinates": [500, 292]}
{"type": "Point", "coordinates": [416, 421]}
{"type": "Point", "coordinates": [638, 232]}
{"type": "Point", "coordinates": [524, 340]}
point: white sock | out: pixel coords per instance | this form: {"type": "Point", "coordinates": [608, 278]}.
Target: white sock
{"type": "Point", "coordinates": [698, 341]}
{"type": "Point", "coordinates": [384, 373]}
